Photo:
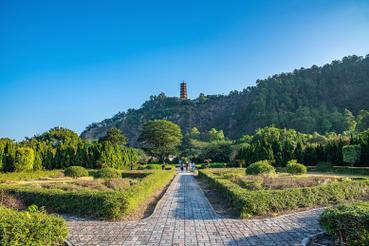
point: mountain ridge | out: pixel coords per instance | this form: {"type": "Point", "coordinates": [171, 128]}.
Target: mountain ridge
{"type": "Point", "coordinates": [307, 99]}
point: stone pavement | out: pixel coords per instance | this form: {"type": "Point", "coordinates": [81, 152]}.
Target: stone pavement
{"type": "Point", "coordinates": [184, 216]}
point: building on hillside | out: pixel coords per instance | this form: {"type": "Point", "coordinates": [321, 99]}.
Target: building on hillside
{"type": "Point", "coordinates": [183, 93]}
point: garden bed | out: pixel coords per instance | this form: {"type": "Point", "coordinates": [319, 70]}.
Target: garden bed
{"type": "Point", "coordinates": [107, 199]}
{"type": "Point", "coordinates": [273, 195]}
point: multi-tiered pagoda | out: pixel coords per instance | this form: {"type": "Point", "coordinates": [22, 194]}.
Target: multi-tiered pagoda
{"type": "Point", "coordinates": [183, 93]}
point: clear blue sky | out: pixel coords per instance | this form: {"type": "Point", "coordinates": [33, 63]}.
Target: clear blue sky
{"type": "Point", "coordinates": [70, 63]}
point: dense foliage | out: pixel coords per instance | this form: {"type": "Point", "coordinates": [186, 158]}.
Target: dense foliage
{"type": "Point", "coordinates": [260, 167]}
{"type": "Point", "coordinates": [75, 172]}
{"type": "Point", "coordinates": [160, 138]}
{"type": "Point", "coordinates": [268, 202]}
{"type": "Point", "coordinates": [351, 153]}
{"type": "Point", "coordinates": [308, 100]}
{"type": "Point", "coordinates": [31, 228]}
{"type": "Point", "coordinates": [107, 173]}
{"type": "Point", "coordinates": [296, 168]}
{"type": "Point", "coordinates": [279, 146]}
{"type": "Point", "coordinates": [348, 223]}
{"type": "Point", "coordinates": [59, 148]}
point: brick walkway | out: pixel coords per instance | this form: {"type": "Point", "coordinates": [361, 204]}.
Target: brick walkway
{"type": "Point", "coordinates": [184, 216]}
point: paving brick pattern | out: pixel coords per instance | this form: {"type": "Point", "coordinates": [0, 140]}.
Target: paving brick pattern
{"type": "Point", "coordinates": [184, 216]}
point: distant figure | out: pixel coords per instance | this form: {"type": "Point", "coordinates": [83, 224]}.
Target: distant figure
{"type": "Point", "coordinates": [187, 166]}
{"type": "Point", "coordinates": [193, 166]}
{"type": "Point", "coordinates": [181, 165]}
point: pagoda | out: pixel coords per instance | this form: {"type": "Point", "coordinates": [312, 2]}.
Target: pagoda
{"type": "Point", "coordinates": [183, 93]}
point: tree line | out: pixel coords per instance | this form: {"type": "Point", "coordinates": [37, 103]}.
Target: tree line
{"type": "Point", "coordinates": [59, 148]}
{"type": "Point", "coordinates": [163, 141]}
{"type": "Point", "coordinates": [279, 146]}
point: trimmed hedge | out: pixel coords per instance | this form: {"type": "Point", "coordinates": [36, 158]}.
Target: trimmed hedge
{"type": "Point", "coordinates": [100, 204]}
{"type": "Point", "coordinates": [348, 223]}
{"type": "Point", "coordinates": [108, 173]}
{"type": "Point", "coordinates": [31, 228]}
{"type": "Point", "coordinates": [340, 170]}
{"type": "Point", "coordinates": [75, 172]}
{"type": "Point", "coordinates": [260, 167]}
{"type": "Point", "coordinates": [268, 202]}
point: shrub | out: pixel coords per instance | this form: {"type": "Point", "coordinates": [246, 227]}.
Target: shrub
{"type": "Point", "coordinates": [75, 172]}
{"type": "Point", "coordinates": [24, 159]}
{"type": "Point", "coordinates": [296, 168]}
{"type": "Point", "coordinates": [107, 173]}
{"type": "Point", "coordinates": [269, 202]}
{"type": "Point", "coordinates": [351, 153]}
{"type": "Point", "coordinates": [32, 227]}
{"type": "Point", "coordinates": [349, 223]}
{"type": "Point", "coordinates": [260, 167]}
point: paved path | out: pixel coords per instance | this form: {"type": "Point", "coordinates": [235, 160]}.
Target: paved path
{"type": "Point", "coordinates": [184, 216]}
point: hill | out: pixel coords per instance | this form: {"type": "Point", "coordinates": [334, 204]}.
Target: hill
{"type": "Point", "coordinates": [307, 100]}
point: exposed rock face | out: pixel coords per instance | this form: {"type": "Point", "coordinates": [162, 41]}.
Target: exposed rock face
{"type": "Point", "coordinates": [308, 100]}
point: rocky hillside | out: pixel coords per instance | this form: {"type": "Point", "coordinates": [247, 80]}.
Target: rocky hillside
{"type": "Point", "coordinates": [308, 100]}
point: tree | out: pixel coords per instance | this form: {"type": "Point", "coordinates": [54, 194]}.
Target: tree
{"type": "Point", "coordinates": [215, 135]}
{"type": "Point", "coordinates": [194, 133]}
{"type": "Point", "coordinates": [24, 159]}
{"type": "Point", "coordinates": [114, 136]}
{"type": "Point", "coordinates": [161, 138]}
{"type": "Point", "coordinates": [350, 121]}
{"type": "Point", "coordinates": [351, 154]}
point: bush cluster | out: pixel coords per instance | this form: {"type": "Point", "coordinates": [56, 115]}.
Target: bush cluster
{"type": "Point", "coordinates": [268, 202]}
{"type": "Point", "coordinates": [100, 204]}
{"type": "Point", "coordinates": [31, 227]}
{"type": "Point", "coordinates": [260, 167]}
{"type": "Point", "coordinates": [107, 173]}
{"type": "Point", "coordinates": [348, 223]}
{"type": "Point", "coordinates": [75, 172]}
{"type": "Point", "coordinates": [296, 168]}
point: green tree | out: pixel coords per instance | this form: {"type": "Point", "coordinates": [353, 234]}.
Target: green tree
{"type": "Point", "coordinates": [350, 121]}
{"type": "Point", "coordinates": [24, 159]}
{"type": "Point", "coordinates": [351, 154]}
{"type": "Point", "coordinates": [194, 133]}
{"type": "Point", "coordinates": [215, 135]}
{"type": "Point", "coordinates": [161, 138]}
{"type": "Point", "coordinates": [115, 136]}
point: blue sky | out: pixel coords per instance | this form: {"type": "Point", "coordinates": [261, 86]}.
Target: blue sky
{"type": "Point", "coordinates": [71, 63]}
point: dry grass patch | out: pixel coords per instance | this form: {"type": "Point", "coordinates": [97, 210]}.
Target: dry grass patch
{"type": "Point", "coordinates": [280, 181]}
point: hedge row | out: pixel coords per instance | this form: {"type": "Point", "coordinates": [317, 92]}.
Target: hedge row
{"type": "Point", "coordinates": [269, 202]}
{"type": "Point", "coordinates": [340, 170]}
{"type": "Point", "coordinates": [348, 223]}
{"type": "Point", "coordinates": [31, 228]}
{"type": "Point", "coordinates": [100, 204]}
